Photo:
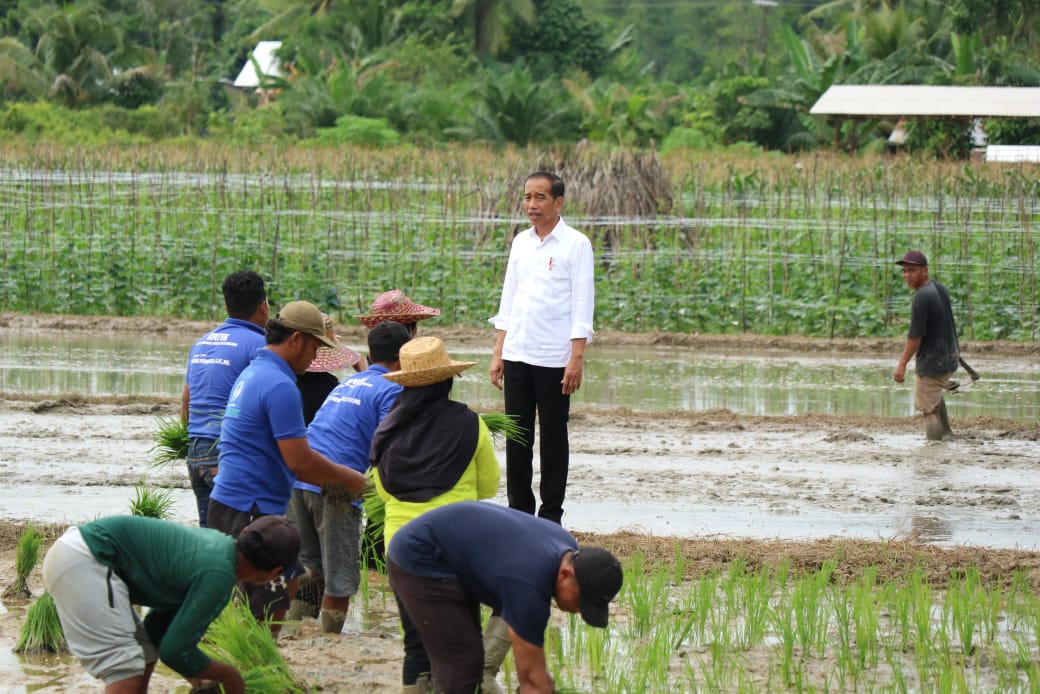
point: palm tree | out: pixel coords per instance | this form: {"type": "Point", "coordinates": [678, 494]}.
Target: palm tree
{"type": "Point", "coordinates": [75, 46]}
{"type": "Point", "coordinates": [490, 19]}
{"type": "Point", "coordinates": [21, 72]}
{"type": "Point", "coordinates": [288, 15]}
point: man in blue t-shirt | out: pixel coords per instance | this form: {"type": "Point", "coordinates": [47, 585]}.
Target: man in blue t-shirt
{"type": "Point", "coordinates": [342, 430]}
{"type": "Point", "coordinates": [932, 339]}
{"type": "Point", "coordinates": [263, 440]}
{"type": "Point", "coordinates": [449, 560]}
{"type": "Point", "coordinates": [214, 362]}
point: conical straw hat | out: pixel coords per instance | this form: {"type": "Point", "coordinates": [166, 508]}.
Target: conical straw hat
{"type": "Point", "coordinates": [425, 361]}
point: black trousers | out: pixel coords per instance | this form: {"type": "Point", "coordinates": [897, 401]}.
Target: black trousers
{"type": "Point", "coordinates": [530, 389]}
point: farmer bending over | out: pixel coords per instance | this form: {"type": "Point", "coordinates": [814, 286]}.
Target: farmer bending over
{"type": "Point", "coordinates": [444, 564]}
{"type": "Point", "coordinates": [99, 571]}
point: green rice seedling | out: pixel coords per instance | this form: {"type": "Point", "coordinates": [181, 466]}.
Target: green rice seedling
{"type": "Point", "coordinates": [757, 590]}
{"type": "Point", "coordinates": [375, 518]}
{"type": "Point", "coordinates": [503, 425]}
{"type": "Point", "coordinates": [865, 616]}
{"type": "Point", "coordinates": [170, 441]}
{"type": "Point", "coordinates": [678, 564]}
{"type": "Point", "coordinates": [237, 638]}
{"type": "Point", "coordinates": [26, 557]}
{"type": "Point", "coordinates": [41, 632]}
{"type": "Point", "coordinates": [811, 615]}
{"type": "Point", "coordinates": [783, 622]}
{"type": "Point", "coordinates": [152, 502]}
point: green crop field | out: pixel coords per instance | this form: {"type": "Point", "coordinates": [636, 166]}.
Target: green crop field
{"type": "Point", "coordinates": [765, 244]}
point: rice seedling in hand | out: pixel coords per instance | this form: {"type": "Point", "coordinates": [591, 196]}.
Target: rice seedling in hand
{"type": "Point", "coordinates": [151, 502]}
{"type": "Point", "coordinates": [171, 441]}
{"type": "Point", "coordinates": [237, 638]}
{"type": "Point", "coordinates": [375, 517]}
{"type": "Point", "coordinates": [26, 558]}
{"type": "Point", "coordinates": [41, 632]}
{"type": "Point", "coordinates": [500, 424]}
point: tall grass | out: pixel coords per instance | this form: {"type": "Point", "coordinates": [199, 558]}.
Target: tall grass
{"type": "Point", "coordinates": [769, 244]}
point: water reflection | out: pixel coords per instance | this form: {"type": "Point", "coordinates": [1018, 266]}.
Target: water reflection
{"type": "Point", "coordinates": [641, 379]}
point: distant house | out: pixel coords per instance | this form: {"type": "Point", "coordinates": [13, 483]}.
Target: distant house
{"type": "Point", "coordinates": [262, 57]}
{"type": "Point", "coordinates": [904, 102]}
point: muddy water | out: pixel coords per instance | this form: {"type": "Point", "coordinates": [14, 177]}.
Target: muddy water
{"type": "Point", "coordinates": [736, 476]}
{"type": "Point", "coordinates": [650, 379]}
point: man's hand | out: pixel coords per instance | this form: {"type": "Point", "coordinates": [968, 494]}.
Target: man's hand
{"type": "Point", "coordinates": [900, 373]}
{"type": "Point", "coordinates": [498, 367]}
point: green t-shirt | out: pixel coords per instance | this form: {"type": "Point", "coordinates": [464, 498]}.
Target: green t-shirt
{"type": "Point", "coordinates": [185, 575]}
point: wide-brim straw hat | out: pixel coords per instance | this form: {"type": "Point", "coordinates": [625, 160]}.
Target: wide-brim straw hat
{"type": "Point", "coordinates": [334, 359]}
{"type": "Point", "coordinates": [425, 361]}
{"type": "Point", "coordinates": [394, 305]}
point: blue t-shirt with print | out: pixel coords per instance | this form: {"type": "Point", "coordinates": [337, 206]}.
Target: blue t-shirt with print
{"type": "Point", "coordinates": [506, 559]}
{"type": "Point", "coordinates": [264, 407]}
{"type": "Point", "coordinates": [342, 429]}
{"type": "Point", "coordinates": [214, 362]}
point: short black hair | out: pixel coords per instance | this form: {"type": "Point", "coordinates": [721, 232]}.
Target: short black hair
{"type": "Point", "coordinates": [385, 341]}
{"type": "Point", "coordinates": [243, 293]}
{"type": "Point", "coordinates": [556, 186]}
{"type": "Point", "coordinates": [277, 332]}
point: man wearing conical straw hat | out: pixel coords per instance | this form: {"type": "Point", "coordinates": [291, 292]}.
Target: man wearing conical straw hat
{"type": "Point", "coordinates": [543, 324]}
{"type": "Point", "coordinates": [430, 451]}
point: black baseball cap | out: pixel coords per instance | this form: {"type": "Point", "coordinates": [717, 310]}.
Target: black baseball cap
{"type": "Point", "coordinates": [599, 577]}
{"type": "Point", "coordinates": [270, 542]}
{"type": "Point", "coordinates": [913, 258]}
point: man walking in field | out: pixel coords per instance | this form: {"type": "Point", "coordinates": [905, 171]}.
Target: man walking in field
{"type": "Point", "coordinates": [214, 362]}
{"type": "Point", "coordinates": [932, 338]}
{"type": "Point", "coordinates": [543, 324]}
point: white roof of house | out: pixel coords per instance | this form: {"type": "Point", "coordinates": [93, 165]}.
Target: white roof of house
{"type": "Point", "coordinates": [265, 58]}
{"type": "Point", "coordinates": [919, 100]}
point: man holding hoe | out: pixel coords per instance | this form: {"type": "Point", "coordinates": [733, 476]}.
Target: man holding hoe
{"type": "Point", "coordinates": [932, 337]}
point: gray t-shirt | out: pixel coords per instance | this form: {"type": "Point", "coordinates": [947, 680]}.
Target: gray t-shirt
{"type": "Point", "coordinates": [931, 319]}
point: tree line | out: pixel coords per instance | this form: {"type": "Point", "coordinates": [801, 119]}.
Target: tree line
{"type": "Point", "coordinates": [623, 73]}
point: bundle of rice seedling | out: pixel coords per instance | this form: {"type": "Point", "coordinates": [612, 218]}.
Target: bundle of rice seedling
{"type": "Point", "coordinates": [171, 440]}
{"type": "Point", "coordinates": [41, 632]}
{"type": "Point", "coordinates": [26, 557]}
{"type": "Point", "coordinates": [151, 502]}
{"type": "Point", "coordinates": [503, 425]}
{"type": "Point", "coordinates": [237, 638]}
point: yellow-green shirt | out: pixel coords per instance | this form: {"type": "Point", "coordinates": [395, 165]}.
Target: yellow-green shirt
{"type": "Point", "coordinates": [478, 481]}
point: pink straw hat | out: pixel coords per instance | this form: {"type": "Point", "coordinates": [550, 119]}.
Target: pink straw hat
{"type": "Point", "coordinates": [332, 358]}
{"type": "Point", "coordinates": [394, 305]}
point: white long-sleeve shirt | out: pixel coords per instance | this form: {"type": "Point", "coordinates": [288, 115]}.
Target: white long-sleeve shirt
{"type": "Point", "coordinates": [548, 296]}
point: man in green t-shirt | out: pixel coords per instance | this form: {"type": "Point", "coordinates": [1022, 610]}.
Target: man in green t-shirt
{"type": "Point", "coordinates": [98, 572]}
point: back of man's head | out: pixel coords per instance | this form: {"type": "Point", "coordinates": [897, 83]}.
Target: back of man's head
{"type": "Point", "coordinates": [385, 341]}
{"type": "Point", "coordinates": [243, 293]}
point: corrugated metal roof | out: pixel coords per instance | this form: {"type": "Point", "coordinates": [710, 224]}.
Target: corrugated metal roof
{"type": "Point", "coordinates": [920, 100]}
{"type": "Point", "coordinates": [265, 58]}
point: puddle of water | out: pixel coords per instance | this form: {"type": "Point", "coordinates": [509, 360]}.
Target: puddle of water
{"type": "Point", "coordinates": [641, 379]}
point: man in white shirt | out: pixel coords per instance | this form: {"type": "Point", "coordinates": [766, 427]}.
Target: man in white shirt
{"type": "Point", "coordinates": [543, 324]}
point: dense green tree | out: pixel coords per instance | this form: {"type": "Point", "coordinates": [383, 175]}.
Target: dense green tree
{"type": "Point", "coordinates": [490, 20]}
{"type": "Point", "coordinates": [22, 75]}
{"type": "Point", "coordinates": [560, 38]}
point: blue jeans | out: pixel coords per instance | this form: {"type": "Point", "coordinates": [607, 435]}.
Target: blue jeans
{"type": "Point", "coordinates": [202, 468]}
